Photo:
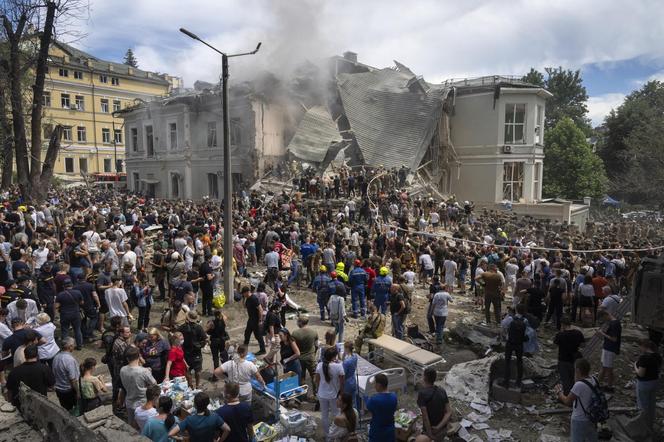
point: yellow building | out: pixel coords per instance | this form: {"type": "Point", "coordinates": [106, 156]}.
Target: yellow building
{"type": "Point", "coordinates": [81, 93]}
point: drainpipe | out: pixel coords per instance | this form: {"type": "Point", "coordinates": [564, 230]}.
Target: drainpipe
{"type": "Point", "coordinates": [94, 117]}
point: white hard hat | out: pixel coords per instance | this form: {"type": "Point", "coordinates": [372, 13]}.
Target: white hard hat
{"type": "Point", "coordinates": [175, 256]}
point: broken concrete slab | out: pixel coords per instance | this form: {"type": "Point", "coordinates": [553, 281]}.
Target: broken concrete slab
{"type": "Point", "coordinates": [502, 394]}
{"type": "Point", "coordinates": [472, 334]}
{"type": "Point", "coordinates": [469, 381]}
{"type": "Point", "coordinates": [99, 413]}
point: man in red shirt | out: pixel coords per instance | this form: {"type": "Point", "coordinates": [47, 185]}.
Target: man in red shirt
{"type": "Point", "coordinates": [599, 282]}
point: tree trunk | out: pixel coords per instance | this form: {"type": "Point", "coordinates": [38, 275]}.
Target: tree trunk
{"type": "Point", "coordinates": [40, 191]}
{"type": "Point", "coordinates": [7, 142]}
{"type": "Point", "coordinates": [38, 96]}
{"type": "Point", "coordinates": [16, 99]}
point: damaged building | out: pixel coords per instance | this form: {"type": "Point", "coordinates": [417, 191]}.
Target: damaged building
{"type": "Point", "coordinates": [174, 145]}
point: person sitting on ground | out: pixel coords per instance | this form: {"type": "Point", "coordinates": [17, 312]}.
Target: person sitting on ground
{"type": "Point", "coordinates": [344, 425]}
{"type": "Point", "coordinates": [434, 406]}
{"type": "Point", "coordinates": [91, 386]}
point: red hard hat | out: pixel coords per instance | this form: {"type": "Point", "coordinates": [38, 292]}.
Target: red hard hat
{"type": "Point", "coordinates": [358, 263]}
{"type": "Point", "coordinates": [333, 274]}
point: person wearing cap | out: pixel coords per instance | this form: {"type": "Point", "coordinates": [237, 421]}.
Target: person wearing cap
{"type": "Point", "coordinates": [381, 288]}
{"type": "Point", "coordinates": [319, 285]}
{"type": "Point", "coordinates": [11, 293]}
{"type": "Point", "coordinates": [341, 274]}
{"type": "Point", "coordinates": [358, 279]}
{"type": "Point", "coordinates": [68, 303]}
{"type": "Point", "coordinates": [195, 339]}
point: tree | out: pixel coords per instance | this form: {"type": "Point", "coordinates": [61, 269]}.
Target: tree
{"type": "Point", "coordinates": [129, 59]}
{"type": "Point", "coordinates": [569, 96]}
{"type": "Point", "coordinates": [28, 28]}
{"type": "Point", "coordinates": [571, 169]}
{"type": "Point", "coordinates": [633, 146]}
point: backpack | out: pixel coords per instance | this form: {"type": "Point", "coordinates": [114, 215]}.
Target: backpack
{"type": "Point", "coordinates": [107, 340]}
{"type": "Point", "coordinates": [598, 410]}
{"type": "Point", "coordinates": [516, 333]}
{"type": "Point", "coordinates": [407, 297]}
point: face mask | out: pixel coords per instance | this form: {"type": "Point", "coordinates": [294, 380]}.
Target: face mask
{"type": "Point", "coordinates": [182, 342]}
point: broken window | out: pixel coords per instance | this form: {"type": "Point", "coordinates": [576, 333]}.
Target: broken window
{"type": "Point", "coordinates": [212, 134]}
{"type": "Point", "coordinates": [173, 135]}
{"type": "Point", "coordinates": [175, 186]}
{"type": "Point", "coordinates": [78, 75]}
{"type": "Point", "coordinates": [63, 72]}
{"type": "Point", "coordinates": [513, 181]}
{"type": "Point", "coordinates": [103, 78]}
{"type": "Point", "coordinates": [83, 165]}
{"type": "Point", "coordinates": [539, 124]}
{"type": "Point", "coordinates": [64, 101]}
{"type": "Point", "coordinates": [134, 139]}
{"type": "Point", "coordinates": [537, 180]}
{"type": "Point", "coordinates": [80, 102]}
{"type": "Point", "coordinates": [69, 165]}
{"type": "Point", "coordinates": [515, 123]}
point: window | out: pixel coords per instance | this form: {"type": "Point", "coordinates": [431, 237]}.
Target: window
{"type": "Point", "coordinates": [213, 186]}
{"type": "Point", "coordinates": [236, 132]}
{"type": "Point", "coordinates": [537, 180]}
{"type": "Point", "coordinates": [513, 181]}
{"type": "Point", "coordinates": [78, 75]}
{"type": "Point", "coordinates": [80, 132]}
{"type": "Point", "coordinates": [80, 102]}
{"type": "Point", "coordinates": [175, 185]}
{"type": "Point", "coordinates": [539, 124]}
{"type": "Point", "coordinates": [118, 136]}
{"type": "Point", "coordinates": [83, 165]}
{"type": "Point", "coordinates": [118, 165]}
{"type": "Point", "coordinates": [212, 134]}
{"type": "Point", "coordinates": [69, 165]}
{"type": "Point", "coordinates": [48, 131]}
{"type": "Point", "coordinates": [63, 72]}
{"type": "Point", "coordinates": [173, 135]}
{"type": "Point", "coordinates": [104, 105]}
{"type": "Point", "coordinates": [103, 78]}
{"type": "Point", "coordinates": [149, 141]}
{"type": "Point", "coordinates": [134, 139]}
{"type": "Point", "coordinates": [46, 99]}
{"type": "Point", "coordinates": [66, 133]}
{"type": "Point", "coordinates": [116, 105]}
{"type": "Point", "coordinates": [137, 182]}
{"type": "Point", "coordinates": [115, 81]}
{"type": "Point", "coordinates": [106, 136]}
{"type": "Point", "coordinates": [515, 123]}
{"type": "Point", "coordinates": [107, 165]}
{"type": "Point", "coordinates": [64, 101]}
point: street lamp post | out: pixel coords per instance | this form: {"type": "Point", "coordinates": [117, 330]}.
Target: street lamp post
{"type": "Point", "coordinates": [228, 183]}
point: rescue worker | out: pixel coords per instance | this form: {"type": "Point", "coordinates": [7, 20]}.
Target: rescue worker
{"type": "Point", "coordinates": [381, 288]}
{"type": "Point", "coordinates": [341, 274]}
{"type": "Point", "coordinates": [320, 286]}
{"type": "Point", "coordinates": [358, 279]}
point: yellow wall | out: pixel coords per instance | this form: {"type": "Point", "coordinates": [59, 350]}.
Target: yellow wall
{"type": "Point", "coordinates": [95, 121]}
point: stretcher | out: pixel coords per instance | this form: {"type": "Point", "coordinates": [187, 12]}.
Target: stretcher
{"type": "Point", "coordinates": [289, 388]}
{"type": "Point", "coordinates": [412, 358]}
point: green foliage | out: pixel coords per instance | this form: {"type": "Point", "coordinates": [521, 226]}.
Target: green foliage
{"type": "Point", "coordinates": [569, 96]}
{"type": "Point", "coordinates": [130, 59]}
{"type": "Point", "coordinates": [633, 146]}
{"type": "Point", "coordinates": [571, 169]}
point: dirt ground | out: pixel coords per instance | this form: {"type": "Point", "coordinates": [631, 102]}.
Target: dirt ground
{"type": "Point", "coordinates": [524, 425]}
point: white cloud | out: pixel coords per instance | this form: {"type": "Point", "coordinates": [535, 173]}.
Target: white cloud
{"type": "Point", "coordinates": [437, 38]}
{"type": "Point", "coordinates": [600, 106]}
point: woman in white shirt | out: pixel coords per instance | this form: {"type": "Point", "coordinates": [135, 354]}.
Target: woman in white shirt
{"type": "Point", "coordinates": [5, 332]}
{"type": "Point", "coordinates": [48, 348]}
{"type": "Point", "coordinates": [329, 381]}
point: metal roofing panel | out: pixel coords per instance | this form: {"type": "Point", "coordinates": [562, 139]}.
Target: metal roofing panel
{"type": "Point", "coordinates": [392, 125]}
{"type": "Point", "coordinates": [314, 136]}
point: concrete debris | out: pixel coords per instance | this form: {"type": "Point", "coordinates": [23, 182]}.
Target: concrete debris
{"type": "Point", "coordinates": [549, 438]}
{"type": "Point", "coordinates": [498, 435]}
{"type": "Point", "coordinates": [7, 408]}
{"type": "Point", "coordinates": [484, 409]}
{"type": "Point", "coordinates": [469, 381]}
{"type": "Point", "coordinates": [474, 417]}
{"type": "Point", "coordinates": [465, 435]}
{"type": "Point", "coordinates": [465, 423]}
{"type": "Point", "coordinates": [99, 413]}
{"type": "Point", "coordinates": [480, 426]}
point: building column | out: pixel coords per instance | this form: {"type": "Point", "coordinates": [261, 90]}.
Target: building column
{"type": "Point", "coordinates": [187, 191]}
{"type": "Point", "coordinates": [528, 176]}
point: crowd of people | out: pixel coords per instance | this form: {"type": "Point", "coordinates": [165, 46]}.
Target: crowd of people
{"type": "Point", "coordinates": [88, 266]}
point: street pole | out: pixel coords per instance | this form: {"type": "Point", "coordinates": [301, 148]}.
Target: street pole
{"type": "Point", "coordinates": [228, 174]}
{"type": "Point", "coordinates": [228, 187]}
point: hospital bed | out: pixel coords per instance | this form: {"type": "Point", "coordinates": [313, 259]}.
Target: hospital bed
{"type": "Point", "coordinates": [401, 353]}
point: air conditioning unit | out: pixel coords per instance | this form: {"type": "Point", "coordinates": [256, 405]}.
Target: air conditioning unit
{"type": "Point", "coordinates": [507, 149]}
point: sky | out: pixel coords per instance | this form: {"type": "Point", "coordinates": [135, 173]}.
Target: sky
{"type": "Point", "coordinates": [616, 44]}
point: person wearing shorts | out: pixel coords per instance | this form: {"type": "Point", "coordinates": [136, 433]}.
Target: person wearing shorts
{"type": "Point", "coordinates": [610, 348]}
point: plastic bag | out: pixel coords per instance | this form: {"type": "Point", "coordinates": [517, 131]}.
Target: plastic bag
{"type": "Point", "coordinates": [219, 300]}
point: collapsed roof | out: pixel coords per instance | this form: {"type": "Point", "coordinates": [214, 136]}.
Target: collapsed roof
{"type": "Point", "coordinates": [387, 117]}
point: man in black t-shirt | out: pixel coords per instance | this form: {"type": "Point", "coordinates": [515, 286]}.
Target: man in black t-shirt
{"type": "Point", "coordinates": [610, 348]}
{"type": "Point", "coordinates": [254, 318]}
{"type": "Point", "coordinates": [568, 341]}
{"type": "Point", "coordinates": [434, 405]}
{"type": "Point", "coordinates": [207, 284]}
{"type": "Point", "coordinates": [534, 303]}
{"type": "Point", "coordinates": [647, 369]}
{"type": "Point", "coordinates": [398, 310]}
{"type": "Point", "coordinates": [32, 373]}
{"type": "Point", "coordinates": [194, 340]}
